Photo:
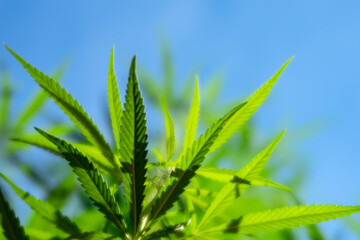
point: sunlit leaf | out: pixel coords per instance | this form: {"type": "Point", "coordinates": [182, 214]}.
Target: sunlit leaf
{"type": "Point", "coordinates": [170, 131]}
{"type": "Point", "coordinates": [115, 106]}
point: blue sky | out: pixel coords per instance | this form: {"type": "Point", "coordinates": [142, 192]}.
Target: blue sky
{"type": "Point", "coordinates": [246, 40]}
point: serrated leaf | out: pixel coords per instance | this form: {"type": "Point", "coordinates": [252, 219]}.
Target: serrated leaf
{"type": "Point", "coordinates": [170, 131]}
{"type": "Point", "coordinates": [115, 106]}
{"type": "Point", "coordinates": [231, 191]}
{"type": "Point", "coordinates": [227, 175]}
{"type": "Point", "coordinates": [256, 165]}
{"type": "Point", "coordinates": [90, 151]}
{"type": "Point", "coordinates": [36, 103]}
{"type": "Point", "coordinates": [286, 217]}
{"type": "Point", "coordinates": [44, 209]}
{"type": "Point", "coordinates": [188, 165]}
{"type": "Point", "coordinates": [91, 180]}
{"type": "Point", "coordinates": [253, 102]}
{"type": "Point", "coordinates": [191, 126]}
{"type": "Point", "coordinates": [10, 224]}
{"type": "Point", "coordinates": [70, 106]}
{"type": "Point", "coordinates": [133, 152]}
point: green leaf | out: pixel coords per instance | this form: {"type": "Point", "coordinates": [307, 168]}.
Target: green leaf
{"type": "Point", "coordinates": [231, 191]}
{"type": "Point", "coordinates": [37, 234]}
{"type": "Point", "coordinates": [91, 180]}
{"type": "Point", "coordinates": [9, 222]}
{"type": "Point", "coordinates": [168, 70]}
{"type": "Point", "coordinates": [170, 131]}
{"type": "Point", "coordinates": [189, 163]}
{"type": "Point", "coordinates": [158, 155]}
{"type": "Point", "coordinates": [190, 133]}
{"type": "Point", "coordinates": [256, 165]}
{"type": "Point", "coordinates": [167, 231]}
{"type": "Point", "coordinates": [6, 92]}
{"type": "Point", "coordinates": [222, 200]}
{"type": "Point", "coordinates": [93, 236]}
{"type": "Point", "coordinates": [70, 106]}
{"type": "Point", "coordinates": [227, 175]}
{"type": "Point", "coordinates": [115, 106]}
{"type": "Point", "coordinates": [44, 209]}
{"type": "Point", "coordinates": [36, 103]}
{"type": "Point", "coordinates": [90, 151]}
{"type": "Point", "coordinates": [253, 102]}
{"type": "Point", "coordinates": [286, 217]}
{"type": "Point", "coordinates": [133, 152]}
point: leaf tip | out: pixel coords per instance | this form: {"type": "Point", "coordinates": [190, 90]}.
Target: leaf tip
{"type": "Point", "coordinates": [41, 131]}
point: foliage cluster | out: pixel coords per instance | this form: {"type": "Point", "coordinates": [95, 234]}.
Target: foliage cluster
{"type": "Point", "coordinates": [143, 199]}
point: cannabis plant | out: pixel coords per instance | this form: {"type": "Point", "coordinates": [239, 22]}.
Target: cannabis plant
{"type": "Point", "coordinates": [143, 199]}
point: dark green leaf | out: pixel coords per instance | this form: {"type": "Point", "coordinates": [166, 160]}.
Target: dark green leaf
{"type": "Point", "coordinates": [91, 180]}
{"type": "Point", "coordinates": [133, 152]}
{"type": "Point", "coordinates": [10, 223]}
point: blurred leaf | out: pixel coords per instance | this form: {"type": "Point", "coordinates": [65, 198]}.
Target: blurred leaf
{"type": "Point", "coordinates": [170, 131]}
{"type": "Point", "coordinates": [44, 209]}
{"type": "Point", "coordinates": [6, 92]}
{"type": "Point", "coordinates": [193, 119]}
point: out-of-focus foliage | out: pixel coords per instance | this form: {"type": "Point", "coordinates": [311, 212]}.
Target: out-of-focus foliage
{"type": "Point", "coordinates": [156, 199]}
{"type": "Point", "coordinates": [12, 127]}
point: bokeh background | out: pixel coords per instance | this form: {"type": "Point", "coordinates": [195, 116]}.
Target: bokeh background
{"type": "Point", "coordinates": [316, 99]}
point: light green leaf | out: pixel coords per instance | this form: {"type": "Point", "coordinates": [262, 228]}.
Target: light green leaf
{"type": "Point", "coordinates": [44, 209]}
{"type": "Point", "coordinates": [227, 175]}
{"type": "Point", "coordinates": [253, 102]}
{"type": "Point", "coordinates": [170, 131]}
{"type": "Point", "coordinates": [256, 165]}
{"type": "Point", "coordinates": [90, 151]}
{"type": "Point", "coordinates": [94, 236]}
{"type": "Point", "coordinates": [6, 92]}
{"type": "Point", "coordinates": [168, 70]}
{"type": "Point", "coordinates": [191, 126]}
{"type": "Point", "coordinates": [282, 218]}
{"type": "Point", "coordinates": [187, 167]}
{"type": "Point", "coordinates": [231, 191]}
{"type": "Point", "coordinates": [115, 106]}
{"type": "Point", "coordinates": [70, 106]}
{"type": "Point", "coordinates": [158, 155]}
{"type": "Point", "coordinates": [36, 103]}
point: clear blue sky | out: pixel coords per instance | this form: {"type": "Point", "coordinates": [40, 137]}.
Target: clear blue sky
{"type": "Point", "coordinates": [247, 40]}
